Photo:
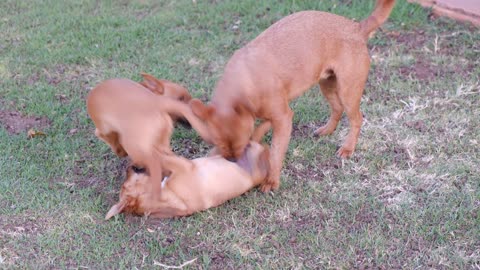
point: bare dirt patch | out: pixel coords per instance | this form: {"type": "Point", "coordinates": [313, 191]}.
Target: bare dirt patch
{"type": "Point", "coordinates": [303, 130]}
{"type": "Point", "coordinates": [189, 148]}
{"type": "Point", "coordinates": [422, 46]}
{"type": "Point", "coordinates": [15, 123]}
{"type": "Point", "coordinates": [422, 70]}
{"type": "Point", "coordinates": [19, 226]}
{"type": "Point", "coordinates": [411, 40]}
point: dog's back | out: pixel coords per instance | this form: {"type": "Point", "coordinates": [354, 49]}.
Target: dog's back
{"type": "Point", "coordinates": [127, 108]}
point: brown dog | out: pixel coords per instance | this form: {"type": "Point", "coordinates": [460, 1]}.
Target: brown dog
{"type": "Point", "coordinates": [134, 121]}
{"type": "Point", "coordinates": [279, 65]}
{"type": "Point", "coordinates": [193, 185]}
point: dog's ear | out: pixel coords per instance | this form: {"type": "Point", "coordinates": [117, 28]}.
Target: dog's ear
{"type": "Point", "coordinates": [201, 110]}
{"type": "Point", "coordinates": [153, 84]}
{"type": "Point", "coordinates": [116, 209]}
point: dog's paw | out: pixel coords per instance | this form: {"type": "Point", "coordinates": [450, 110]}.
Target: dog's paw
{"type": "Point", "coordinates": [324, 131]}
{"type": "Point", "coordinates": [265, 188]}
{"type": "Point", "coordinates": [269, 186]}
{"type": "Point", "coordinates": [343, 152]}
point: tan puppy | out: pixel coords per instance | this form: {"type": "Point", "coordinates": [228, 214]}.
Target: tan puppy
{"type": "Point", "coordinates": [134, 121]}
{"type": "Point", "coordinates": [193, 185]}
{"type": "Point", "coordinates": [284, 61]}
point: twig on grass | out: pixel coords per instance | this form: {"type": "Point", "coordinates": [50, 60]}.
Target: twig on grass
{"type": "Point", "coordinates": [173, 266]}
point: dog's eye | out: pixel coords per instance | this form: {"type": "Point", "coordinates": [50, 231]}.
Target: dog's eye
{"type": "Point", "coordinates": [182, 98]}
{"type": "Point", "coordinates": [138, 169]}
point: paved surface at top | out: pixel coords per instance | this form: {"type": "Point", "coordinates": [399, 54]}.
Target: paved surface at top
{"type": "Point", "coordinates": [464, 10]}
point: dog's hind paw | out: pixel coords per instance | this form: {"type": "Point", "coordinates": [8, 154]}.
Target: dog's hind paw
{"type": "Point", "coordinates": [343, 152]}
{"type": "Point", "coordinates": [269, 186]}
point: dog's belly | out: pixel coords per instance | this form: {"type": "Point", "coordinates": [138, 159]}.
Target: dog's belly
{"type": "Point", "coordinates": [219, 180]}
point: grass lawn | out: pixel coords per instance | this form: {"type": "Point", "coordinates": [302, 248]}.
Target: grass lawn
{"type": "Point", "coordinates": [409, 198]}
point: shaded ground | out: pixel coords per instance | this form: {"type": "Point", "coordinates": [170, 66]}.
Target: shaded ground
{"type": "Point", "coordinates": [15, 123]}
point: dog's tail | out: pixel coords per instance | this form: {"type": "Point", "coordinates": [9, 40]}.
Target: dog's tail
{"type": "Point", "coordinates": [378, 17]}
{"type": "Point", "coordinates": [180, 109]}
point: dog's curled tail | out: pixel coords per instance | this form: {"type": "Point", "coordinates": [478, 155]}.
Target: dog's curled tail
{"type": "Point", "coordinates": [180, 109]}
{"type": "Point", "coordinates": [378, 17]}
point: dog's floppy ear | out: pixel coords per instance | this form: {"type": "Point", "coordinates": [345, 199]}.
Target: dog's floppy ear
{"type": "Point", "coordinates": [116, 209]}
{"type": "Point", "coordinates": [201, 110]}
{"type": "Point", "coordinates": [153, 84]}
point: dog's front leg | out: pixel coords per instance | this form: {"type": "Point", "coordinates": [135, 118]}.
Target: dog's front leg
{"type": "Point", "coordinates": [282, 130]}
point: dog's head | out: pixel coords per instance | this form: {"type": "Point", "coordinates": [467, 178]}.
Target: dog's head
{"type": "Point", "coordinates": [230, 128]}
{"type": "Point", "coordinates": [255, 160]}
{"type": "Point", "coordinates": [135, 193]}
{"type": "Point", "coordinates": [165, 88]}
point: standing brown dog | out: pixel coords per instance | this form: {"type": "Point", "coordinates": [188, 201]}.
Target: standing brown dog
{"type": "Point", "coordinates": [279, 65]}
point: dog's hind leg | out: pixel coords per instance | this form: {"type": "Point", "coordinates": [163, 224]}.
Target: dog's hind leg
{"type": "Point", "coordinates": [329, 90]}
{"type": "Point", "coordinates": [113, 141]}
{"type": "Point", "coordinates": [350, 93]}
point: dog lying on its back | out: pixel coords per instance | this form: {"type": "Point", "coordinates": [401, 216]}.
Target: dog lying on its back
{"type": "Point", "coordinates": [284, 61]}
{"type": "Point", "coordinates": [192, 185]}
{"type": "Point", "coordinates": [134, 121]}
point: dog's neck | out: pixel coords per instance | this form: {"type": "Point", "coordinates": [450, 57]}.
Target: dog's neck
{"type": "Point", "coordinates": [245, 163]}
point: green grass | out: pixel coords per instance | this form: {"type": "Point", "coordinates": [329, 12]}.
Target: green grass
{"type": "Point", "coordinates": [409, 198]}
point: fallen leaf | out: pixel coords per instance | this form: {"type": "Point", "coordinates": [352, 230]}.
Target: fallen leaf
{"type": "Point", "coordinates": [32, 133]}
{"type": "Point", "coordinates": [73, 130]}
